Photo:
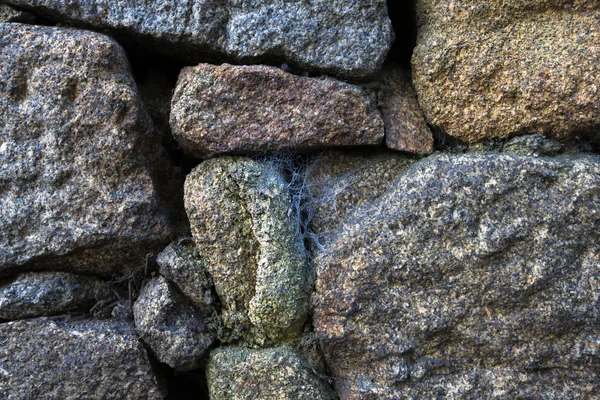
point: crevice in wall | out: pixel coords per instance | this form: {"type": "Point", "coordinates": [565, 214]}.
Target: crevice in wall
{"type": "Point", "coordinates": [403, 16]}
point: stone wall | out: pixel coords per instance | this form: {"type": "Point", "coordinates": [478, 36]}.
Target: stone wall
{"type": "Point", "coordinates": [284, 199]}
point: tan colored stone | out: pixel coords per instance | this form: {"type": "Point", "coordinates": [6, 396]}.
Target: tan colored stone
{"type": "Point", "coordinates": [405, 126]}
{"type": "Point", "coordinates": [249, 109]}
{"type": "Point", "coordinates": [486, 69]}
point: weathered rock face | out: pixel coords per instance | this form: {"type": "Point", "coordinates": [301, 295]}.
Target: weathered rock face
{"type": "Point", "coordinates": [9, 14]}
{"type": "Point", "coordinates": [496, 69]}
{"type": "Point", "coordinates": [472, 275]}
{"type": "Point", "coordinates": [175, 332]}
{"type": "Point", "coordinates": [181, 264]}
{"type": "Point", "coordinates": [277, 373]}
{"type": "Point", "coordinates": [332, 36]}
{"type": "Point", "coordinates": [239, 211]}
{"type": "Point", "coordinates": [340, 182]}
{"type": "Point", "coordinates": [405, 126]}
{"type": "Point", "coordinates": [48, 293]}
{"type": "Point", "coordinates": [48, 359]}
{"type": "Point", "coordinates": [249, 109]}
{"type": "Point", "coordinates": [77, 157]}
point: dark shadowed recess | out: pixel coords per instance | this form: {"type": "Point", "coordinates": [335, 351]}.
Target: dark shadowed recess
{"type": "Point", "coordinates": [403, 16]}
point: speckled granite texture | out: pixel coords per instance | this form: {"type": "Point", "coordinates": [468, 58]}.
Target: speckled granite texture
{"type": "Point", "coordinates": [486, 69]}
{"type": "Point", "coordinates": [338, 37]}
{"type": "Point", "coordinates": [250, 109]}
{"type": "Point", "coordinates": [483, 283]}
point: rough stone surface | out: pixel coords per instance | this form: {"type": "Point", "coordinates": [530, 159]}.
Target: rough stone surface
{"type": "Point", "coordinates": [267, 374]}
{"type": "Point", "coordinates": [405, 126]}
{"type": "Point", "coordinates": [342, 181]}
{"type": "Point", "coordinates": [249, 109]}
{"type": "Point", "coordinates": [9, 14]}
{"type": "Point", "coordinates": [175, 332]}
{"type": "Point", "coordinates": [48, 293]}
{"type": "Point", "coordinates": [533, 145]}
{"type": "Point", "coordinates": [472, 276]}
{"type": "Point", "coordinates": [239, 211]}
{"type": "Point", "coordinates": [350, 39]}
{"type": "Point", "coordinates": [46, 359]}
{"type": "Point", "coordinates": [497, 69]}
{"type": "Point", "coordinates": [181, 264]}
{"type": "Point", "coordinates": [78, 160]}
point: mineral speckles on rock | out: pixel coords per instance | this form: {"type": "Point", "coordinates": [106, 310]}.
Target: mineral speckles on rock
{"type": "Point", "coordinates": [338, 37]}
{"type": "Point", "coordinates": [48, 293]}
{"type": "Point", "coordinates": [175, 332]}
{"type": "Point", "coordinates": [269, 374]}
{"type": "Point", "coordinates": [405, 126]}
{"type": "Point", "coordinates": [249, 109]}
{"type": "Point", "coordinates": [497, 69]}
{"type": "Point", "coordinates": [467, 284]}
{"type": "Point", "coordinates": [77, 157]}
{"type": "Point", "coordinates": [46, 359]}
{"type": "Point", "coordinates": [239, 211]}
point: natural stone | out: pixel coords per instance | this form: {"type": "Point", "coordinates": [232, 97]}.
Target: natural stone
{"type": "Point", "coordinates": [498, 69]}
{"type": "Point", "coordinates": [239, 211]}
{"type": "Point", "coordinates": [533, 145]}
{"type": "Point", "coordinates": [47, 293]}
{"type": "Point", "coordinates": [56, 360]}
{"type": "Point", "coordinates": [339, 182]}
{"type": "Point", "coordinates": [78, 160]}
{"type": "Point", "coordinates": [472, 275]}
{"type": "Point", "coordinates": [181, 264]}
{"type": "Point", "coordinates": [405, 126]}
{"type": "Point", "coordinates": [250, 109]}
{"type": "Point", "coordinates": [170, 326]}
{"type": "Point", "coordinates": [9, 14]}
{"type": "Point", "coordinates": [331, 36]}
{"type": "Point", "coordinates": [270, 374]}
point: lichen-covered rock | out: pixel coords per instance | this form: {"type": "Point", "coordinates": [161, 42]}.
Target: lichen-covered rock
{"type": "Point", "coordinates": [267, 374]}
{"type": "Point", "coordinates": [181, 264]}
{"type": "Point", "coordinates": [472, 275]}
{"type": "Point", "coordinates": [334, 36]}
{"type": "Point", "coordinates": [47, 293]}
{"type": "Point", "coordinates": [56, 360]}
{"type": "Point", "coordinates": [78, 160]}
{"type": "Point", "coordinates": [341, 181]}
{"type": "Point", "coordinates": [533, 145]}
{"type": "Point", "coordinates": [239, 211]}
{"type": "Point", "coordinates": [405, 126]}
{"type": "Point", "coordinates": [9, 14]}
{"type": "Point", "coordinates": [486, 69]}
{"type": "Point", "coordinates": [170, 326]}
{"type": "Point", "coordinates": [249, 109]}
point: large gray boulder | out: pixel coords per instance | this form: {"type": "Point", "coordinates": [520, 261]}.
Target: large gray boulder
{"type": "Point", "coordinates": [176, 333]}
{"type": "Point", "coordinates": [37, 294]}
{"type": "Point", "coordinates": [50, 359]}
{"type": "Point", "coordinates": [241, 220]}
{"type": "Point", "coordinates": [333, 36]}
{"type": "Point", "coordinates": [79, 165]}
{"type": "Point", "coordinates": [252, 109]}
{"type": "Point", "coordinates": [485, 69]}
{"type": "Point", "coordinates": [268, 374]}
{"type": "Point", "coordinates": [471, 276]}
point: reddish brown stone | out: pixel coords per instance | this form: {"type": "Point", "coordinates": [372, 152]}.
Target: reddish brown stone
{"type": "Point", "coordinates": [405, 126]}
{"type": "Point", "coordinates": [248, 109]}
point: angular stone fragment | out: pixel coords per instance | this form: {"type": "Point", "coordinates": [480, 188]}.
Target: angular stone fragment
{"type": "Point", "coordinates": [175, 332]}
{"type": "Point", "coordinates": [78, 162]}
{"type": "Point", "coordinates": [276, 373]}
{"type": "Point", "coordinates": [533, 145]}
{"type": "Point", "coordinates": [472, 274]}
{"type": "Point", "coordinates": [46, 359]}
{"type": "Point", "coordinates": [405, 126]}
{"type": "Point", "coordinates": [181, 264]}
{"type": "Point", "coordinates": [250, 109]}
{"type": "Point", "coordinates": [333, 36]}
{"type": "Point", "coordinates": [48, 293]}
{"type": "Point", "coordinates": [341, 181]}
{"type": "Point", "coordinates": [241, 220]}
{"type": "Point", "coordinates": [497, 68]}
